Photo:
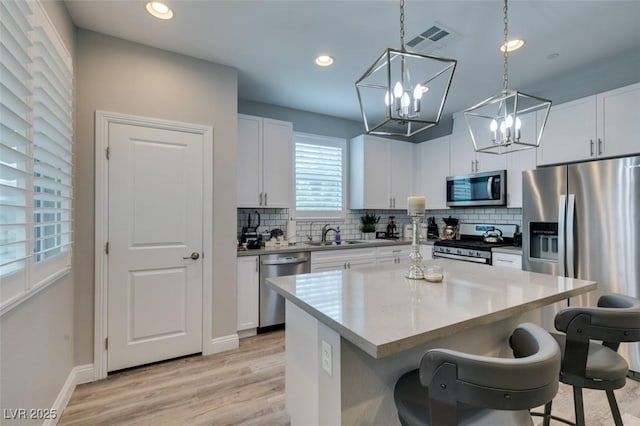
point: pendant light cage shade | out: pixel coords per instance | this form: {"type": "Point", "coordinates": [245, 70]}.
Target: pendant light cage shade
{"type": "Point", "coordinates": [403, 92]}
{"type": "Point", "coordinates": [511, 121]}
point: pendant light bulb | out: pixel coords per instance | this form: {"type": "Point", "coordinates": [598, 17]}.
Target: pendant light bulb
{"type": "Point", "coordinates": [493, 126]}
{"type": "Point", "coordinates": [518, 123]}
{"type": "Point", "coordinates": [397, 90]}
{"type": "Point", "coordinates": [387, 98]}
{"type": "Point", "coordinates": [417, 92]}
{"type": "Point", "coordinates": [509, 121]}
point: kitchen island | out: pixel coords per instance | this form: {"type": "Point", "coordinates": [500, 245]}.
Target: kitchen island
{"type": "Point", "coordinates": [351, 334]}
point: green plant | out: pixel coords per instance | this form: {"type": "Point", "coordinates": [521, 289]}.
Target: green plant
{"type": "Point", "coordinates": [369, 221]}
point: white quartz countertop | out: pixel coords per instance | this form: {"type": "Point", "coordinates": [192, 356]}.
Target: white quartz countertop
{"type": "Point", "coordinates": [383, 313]}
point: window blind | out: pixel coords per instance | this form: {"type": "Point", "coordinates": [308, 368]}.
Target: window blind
{"type": "Point", "coordinates": [319, 174]}
{"type": "Point", "coordinates": [36, 132]}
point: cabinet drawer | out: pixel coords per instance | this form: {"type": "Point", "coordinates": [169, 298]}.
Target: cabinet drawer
{"type": "Point", "coordinates": [507, 260]}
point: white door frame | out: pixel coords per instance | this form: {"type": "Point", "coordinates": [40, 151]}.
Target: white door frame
{"type": "Point", "coordinates": [103, 118]}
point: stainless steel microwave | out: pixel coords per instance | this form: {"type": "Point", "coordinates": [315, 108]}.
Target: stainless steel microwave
{"type": "Point", "coordinates": [477, 189]}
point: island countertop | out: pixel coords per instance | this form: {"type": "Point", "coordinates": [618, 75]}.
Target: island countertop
{"type": "Point", "coordinates": [383, 313]}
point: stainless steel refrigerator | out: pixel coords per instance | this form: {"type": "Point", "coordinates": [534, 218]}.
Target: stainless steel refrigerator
{"type": "Point", "coordinates": [583, 221]}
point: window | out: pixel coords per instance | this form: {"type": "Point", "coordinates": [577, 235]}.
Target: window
{"type": "Point", "coordinates": [36, 148]}
{"type": "Point", "coordinates": [320, 176]}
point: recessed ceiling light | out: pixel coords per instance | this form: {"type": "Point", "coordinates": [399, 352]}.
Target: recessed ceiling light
{"type": "Point", "coordinates": [324, 60]}
{"type": "Point", "coordinates": [159, 10]}
{"type": "Point", "coordinates": [512, 45]}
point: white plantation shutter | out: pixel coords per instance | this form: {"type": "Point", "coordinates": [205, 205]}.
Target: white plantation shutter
{"type": "Point", "coordinates": [36, 152]}
{"type": "Point", "coordinates": [319, 176]}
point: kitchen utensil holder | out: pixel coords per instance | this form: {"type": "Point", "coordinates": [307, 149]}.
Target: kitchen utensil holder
{"type": "Point", "coordinates": [416, 270]}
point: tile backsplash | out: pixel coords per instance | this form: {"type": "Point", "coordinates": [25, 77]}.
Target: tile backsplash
{"type": "Point", "coordinates": [350, 226]}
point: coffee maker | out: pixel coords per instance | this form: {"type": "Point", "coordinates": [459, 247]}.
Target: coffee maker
{"type": "Point", "coordinates": [432, 228]}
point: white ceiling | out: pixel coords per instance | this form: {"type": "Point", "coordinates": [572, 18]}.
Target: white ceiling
{"type": "Point", "coordinates": [273, 43]}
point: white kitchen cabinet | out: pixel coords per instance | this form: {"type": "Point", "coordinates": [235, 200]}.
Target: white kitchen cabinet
{"type": "Point", "coordinates": [507, 260]}
{"type": "Point", "coordinates": [333, 260]}
{"type": "Point", "coordinates": [426, 250]}
{"type": "Point", "coordinates": [248, 291]}
{"type": "Point", "coordinates": [265, 165]}
{"type": "Point", "coordinates": [463, 157]}
{"type": "Point", "coordinates": [389, 255]}
{"type": "Point", "coordinates": [618, 114]}
{"type": "Point", "coordinates": [570, 132]}
{"type": "Point", "coordinates": [381, 173]}
{"type": "Point", "coordinates": [431, 171]}
{"type": "Point", "coordinates": [519, 161]}
{"type": "Point", "coordinates": [597, 126]}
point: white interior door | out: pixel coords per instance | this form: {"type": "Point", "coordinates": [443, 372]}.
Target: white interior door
{"type": "Point", "coordinates": [155, 224]}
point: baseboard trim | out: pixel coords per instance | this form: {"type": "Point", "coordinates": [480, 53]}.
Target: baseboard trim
{"type": "Point", "coordinates": [78, 375]}
{"type": "Point", "coordinates": [221, 344]}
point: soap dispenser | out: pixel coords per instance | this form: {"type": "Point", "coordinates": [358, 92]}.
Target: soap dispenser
{"type": "Point", "coordinates": [338, 240]}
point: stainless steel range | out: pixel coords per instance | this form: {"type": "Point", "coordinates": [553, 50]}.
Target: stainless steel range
{"type": "Point", "coordinates": [475, 241]}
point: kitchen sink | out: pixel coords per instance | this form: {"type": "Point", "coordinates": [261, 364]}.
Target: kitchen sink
{"type": "Point", "coordinates": [331, 243]}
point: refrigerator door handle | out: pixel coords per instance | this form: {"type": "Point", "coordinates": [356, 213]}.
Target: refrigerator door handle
{"type": "Point", "coordinates": [562, 206]}
{"type": "Point", "coordinates": [571, 217]}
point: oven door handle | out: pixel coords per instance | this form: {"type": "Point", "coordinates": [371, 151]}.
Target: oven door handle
{"type": "Point", "coordinates": [459, 257]}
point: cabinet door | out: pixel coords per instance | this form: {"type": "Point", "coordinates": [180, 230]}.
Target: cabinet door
{"type": "Point", "coordinates": [519, 161]}
{"type": "Point", "coordinates": [432, 169]}
{"type": "Point", "coordinates": [462, 154]}
{"type": "Point", "coordinates": [277, 163]}
{"type": "Point", "coordinates": [618, 115]}
{"type": "Point", "coordinates": [507, 260]}
{"type": "Point", "coordinates": [402, 154]}
{"type": "Point", "coordinates": [570, 132]}
{"type": "Point", "coordinates": [248, 290]}
{"type": "Point", "coordinates": [249, 172]}
{"type": "Point", "coordinates": [376, 174]}
{"type": "Point", "coordinates": [490, 162]}
{"type": "Point", "coordinates": [426, 250]}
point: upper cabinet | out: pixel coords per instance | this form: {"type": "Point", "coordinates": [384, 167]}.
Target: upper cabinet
{"type": "Point", "coordinates": [265, 170]}
{"type": "Point", "coordinates": [618, 114]}
{"type": "Point", "coordinates": [381, 173]}
{"type": "Point", "coordinates": [431, 171]}
{"type": "Point", "coordinates": [463, 157]}
{"type": "Point", "coordinates": [597, 126]}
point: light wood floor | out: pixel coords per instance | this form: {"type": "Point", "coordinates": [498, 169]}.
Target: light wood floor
{"type": "Point", "coordinates": [246, 386]}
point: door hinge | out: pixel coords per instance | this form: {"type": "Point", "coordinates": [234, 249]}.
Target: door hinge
{"type": "Point", "coordinates": [106, 343]}
{"type": "Point", "coordinates": [106, 248]}
{"type": "Point", "coordinates": [108, 152]}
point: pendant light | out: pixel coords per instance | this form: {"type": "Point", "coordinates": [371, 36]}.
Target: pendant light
{"type": "Point", "coordinates": [403, 92]}
{"type": "Point", "coordinates": [510, 120]}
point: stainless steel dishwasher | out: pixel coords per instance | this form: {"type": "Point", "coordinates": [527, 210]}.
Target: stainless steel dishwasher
{"type": "Point", "coordinates": [278, 265]}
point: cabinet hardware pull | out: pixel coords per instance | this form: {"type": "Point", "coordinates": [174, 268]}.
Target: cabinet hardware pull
{"type": "Point", "coordinates": [265, 198]}
{"type": "Point", "coordinates": [194, 256]}
{"type": "Point", "coordinates": [257, 265]}
{"type": "Point", "coordinates": [599, 146]}
{"type": "Point", "coordinates": [591, 150]}
{"type": "Point", "coordinates": [472, 165]}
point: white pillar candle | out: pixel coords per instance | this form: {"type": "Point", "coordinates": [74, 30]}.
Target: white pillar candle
{"type": "Point", "coordinates": [416, 205]}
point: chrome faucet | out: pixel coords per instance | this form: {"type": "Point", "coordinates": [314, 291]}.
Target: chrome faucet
{"type": "Point", "coordinates": [310, 234]}
{"type": "Point", "coordinates": [325, 230]}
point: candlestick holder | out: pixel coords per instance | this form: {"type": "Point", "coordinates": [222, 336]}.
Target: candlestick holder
{"type": "Point", "coordinates": [416, 270]}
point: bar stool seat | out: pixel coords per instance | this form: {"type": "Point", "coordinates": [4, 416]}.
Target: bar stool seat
{"type": "Point", "coordinates": [456, 388]}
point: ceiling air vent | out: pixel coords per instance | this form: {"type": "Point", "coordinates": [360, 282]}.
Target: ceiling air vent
{"type": "Point", "coordinates": [433, 38]}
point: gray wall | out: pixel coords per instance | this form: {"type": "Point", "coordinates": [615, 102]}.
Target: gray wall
{"type": "Point", "coordinates": [36, 337]}
{"type": "Point", "coordinates": [120, 76]}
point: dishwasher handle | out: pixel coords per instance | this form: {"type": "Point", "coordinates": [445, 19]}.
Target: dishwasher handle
{"type": "Point", "coordinates": [285, 261]}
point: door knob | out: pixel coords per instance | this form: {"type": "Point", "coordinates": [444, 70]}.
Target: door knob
{"type": "Point", "coordinates": [194, 256]}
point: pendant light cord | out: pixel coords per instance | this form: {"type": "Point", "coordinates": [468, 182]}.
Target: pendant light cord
{"type": "Point", "coordinates": [402, 24]}
{"type": "Point", "coordinates": [505, 77]}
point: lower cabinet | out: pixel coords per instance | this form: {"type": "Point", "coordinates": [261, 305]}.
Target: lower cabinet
{"type": "Point", "coordinates": [426, 250]}
{"type": "Point", "coordinates": [507, 260]}
{"type": "Point", "coordinates": [248, 292]}
{"type": "Point", "coordinates": [333, 260]}
{"type": "Point", "coordinates": [390, 255]}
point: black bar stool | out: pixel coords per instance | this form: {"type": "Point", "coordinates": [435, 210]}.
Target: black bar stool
{"type": "Point", "coordinates": [595, 365]}
{"type": "Point", "coordinates": [452, 387]}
